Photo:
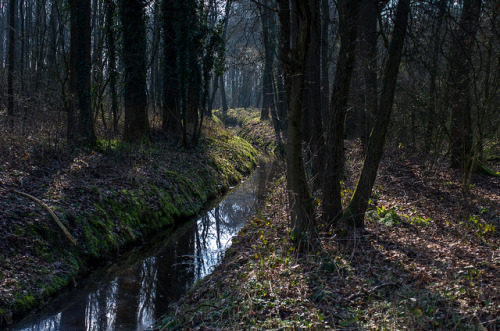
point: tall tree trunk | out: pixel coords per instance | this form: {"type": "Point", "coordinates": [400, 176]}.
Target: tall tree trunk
{"type": "Point", "coordinates": [110, 39]}
{"type": "Point", "coordinates": [80, 119]}
{"type": "Point", "coordinates": [367, 31]}
{"type": "Point", "coordinates": [21, 58]}
{"type": "Point", "coordinates": [459, 84]}
{"type": "Point", "coordinates": [430, 125]}
{"type": "Point", "coordinates": [294, 63]}
{"type": "Point", "coordinates": [267, 79]}
{"type": "Point", "coordinates": [11, 64]}
{"type": "Point", "coordinates": [348, 18]}
{"type": "Point", "coordinates": [313, 96]}
{"type": "Point", "coordinates": [134, 60]}
{"type": "Point", "coordinates": [355, 212]}
{"type": "Point", "coordinates": [325, 83]}
{"type": "Point", "coordinates": [171, 116]}
{"type": "Point", "coordinates": [223, 95]}
{"type": "Point", "coordinates": [281, 93]}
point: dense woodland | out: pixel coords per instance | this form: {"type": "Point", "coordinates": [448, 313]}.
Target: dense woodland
{"type": "Point", "coordinates": [418, 77]}
{"type": "Point", "coordinates": [423, 74]}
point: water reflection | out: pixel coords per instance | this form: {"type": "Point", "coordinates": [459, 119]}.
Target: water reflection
{"type": "Point", "coordinates": [134, 292]}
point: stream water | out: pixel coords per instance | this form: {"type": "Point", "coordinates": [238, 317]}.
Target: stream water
{"type": "Point", "coordinates": [134, 291]}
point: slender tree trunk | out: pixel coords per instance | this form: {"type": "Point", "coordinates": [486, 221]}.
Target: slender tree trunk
{"type": "Point", "coordinates": [355, 212]}
{"type": "Point", "coordinates": [2, 37]}
{"type": "Point", "coordinates": [430, 126]}
{"type": "Point", "coordinates": [21, 58]}
{"type": "Point", "coordinates": [459, 83]}
{"type": "Point", "coordinates": [223, 95]}
{"type": "Point", "coordinates": [215, 87]}
{"type": "Point", "coordinates": [294, 63]}
{"type": "Point", "coordinates": [171, 121]}
{"type": "Point", "coordinates": [11, 64]}
{"type": "Point", "coordinates": [267, 79]}
{"type": "Point", "coordinates": [110, 39]}
{"type": "Point", "coordinates": [313, 96]}
{"type": "Point", "coordinates": [134, 59]}
{"type": "Point", "coordinates": [325, 83]}
{"type": "Point", "coordinates": [348, 18]}
{"type": "Point", "coordinates": [368, 59]}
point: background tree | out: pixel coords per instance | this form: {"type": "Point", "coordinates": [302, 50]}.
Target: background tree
{"type": "Point", "coordinates": [80, 119]}
{"type": "Point", "coordinates": [171, 115]}
{"type": "Point", "coordinates": [355, 212]}
{"type": "Point", "coordinates": [136, 127]}
{"type": "Point", "coordinates": [109, 7]}
{"type": "Point", "coordinates": [11, 61]}
{"type": "Point", "coordinates": [462, 153]}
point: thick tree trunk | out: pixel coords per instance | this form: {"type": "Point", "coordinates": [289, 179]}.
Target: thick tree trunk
{"type": "Point", "coordinates": [348, 18]}
{"type": "Point", "coordinates": [134, 59]}
{"type": "Point", "coordinates": [294, 62]}
{"type": "Point", "coordinates": [80, 119]}
{"type": "Point", "coordinates": [281, 93]}
{"type": "Point", "coordinates": [355, 212]}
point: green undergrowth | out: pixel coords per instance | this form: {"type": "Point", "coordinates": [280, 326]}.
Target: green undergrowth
{"type": "Point", "coordinates": [259, 285]}
{"type": "Point", "coordinates": [259, 133]}
{"type": "Point", "coordinates": [237, 116]}
{"type": "Point", "coordinates": [109, 200]}
{"type": "Point", "coordinates": [367, 280]}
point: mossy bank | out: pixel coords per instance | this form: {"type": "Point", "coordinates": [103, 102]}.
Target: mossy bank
{"type": "Point", "coordinates": [108, 200]}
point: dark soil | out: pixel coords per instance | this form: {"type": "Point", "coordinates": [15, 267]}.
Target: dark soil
{"type": "Point", "coordinates": [428, 259]}
{"type": "Point", "coordinates": [107, 198]}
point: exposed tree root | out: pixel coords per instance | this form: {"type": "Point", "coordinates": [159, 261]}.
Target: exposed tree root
{"type": "Point", "coordinates": [54, 217]}
{"type": "Point", "coordinates": [483, 169]}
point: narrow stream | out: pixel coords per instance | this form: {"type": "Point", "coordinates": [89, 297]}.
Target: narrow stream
{"type": "Point", "coordinates": [134, 291]}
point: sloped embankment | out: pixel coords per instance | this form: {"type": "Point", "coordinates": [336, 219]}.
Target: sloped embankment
{"type": "Point", "coordinates": [107, 200]}
{"type": "Point", "coordinates": [259, 133]}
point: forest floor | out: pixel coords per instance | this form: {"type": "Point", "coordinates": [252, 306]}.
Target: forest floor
{"type": "Point", "coordinates": [108, 199]}
{"type": "Point", "coordinates": [429, 258]}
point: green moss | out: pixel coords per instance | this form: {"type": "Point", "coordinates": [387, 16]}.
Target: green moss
{"type": "Point", "coordinates": [22, 303]}
{"type": "Point", "coordinates": [115, 217]}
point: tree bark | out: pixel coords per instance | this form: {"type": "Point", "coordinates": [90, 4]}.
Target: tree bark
{"type": "Point", "coordinates": [171, 116]}
{"type": "Point", "coordinates": [367, 31]}
{"type": "Point", "coordinates": [11, 64]}
{"type": "Point", "coordinates": [80, 119]}
{"type": "Point", "coordinates": [267, 79]}
{"type": "Point", "coordinates": [431, 124]}
{"type": "Point", "coordinates": [110, 39]}
{"type": "Point", "coordinates": [294, 62]}
{"type": "Point", "coordinates": [325, 82]}
{"type": "Point", "coordinates": [348, 18]}
{"type": "Point", "coordinates": [313, 96]}
{"type": "Point", "coordinates": [134, 59]}
{"type": "Point", "coordinates": [223, 95]}
{"type": "Point", "coordinates": [459, 84]}
{"type": "Point", "coordinates": [355, 212]}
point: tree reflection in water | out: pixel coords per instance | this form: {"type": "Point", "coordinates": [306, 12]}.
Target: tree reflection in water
{"type": "Point", "coordinates": [133, 294]}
